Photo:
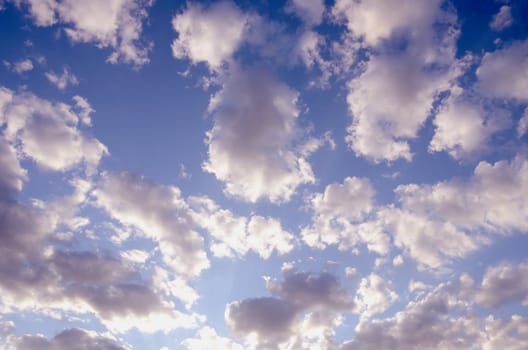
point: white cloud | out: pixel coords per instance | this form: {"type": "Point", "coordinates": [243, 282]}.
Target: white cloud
{"type": "Point", "coordinates": [338, 218]}
{"type": "Point", "coordinates": [509, 334]}
{"type": "Point", "coordinates": [374, 296]}
{"type": "Point", "coordinates": [116, 24]}
{"type": "Point", "coordinates": [310, 11]}
{"type": "Point", "coordinates": [160, 213]}
{"type": "Point", "coordinates": [252, 145]}
{"type": "Point", "coordinates": [410, 62]}
{"type": "Point", "coordinates": [236, 235]}
{"type": "Point", "coordinates": [23, 66]}
{"type": "Point", "coordinates": [209, 34]}
{"type": "Point", "coordinates": [207, 338]}
{"type": "Point", "coordinates": [74, 338]}
{"type": "Point", "coordinates": [463, 128]}
{"type": "Point", "coordinates": [62, 81]}
{"type": "Point", "coordinates": [48, 133]}
{"type": "Point", "coordinates": [503, 73]}
{"type": "Point", "coordinates": [503, 284]}
{"type": "Point", "coordinates": [503, 19]}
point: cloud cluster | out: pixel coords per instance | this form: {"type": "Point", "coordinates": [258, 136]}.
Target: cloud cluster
{"type": "Point", "coordinates": [116, 24]}
{"type": "Point", "coordinates": [304, 311]}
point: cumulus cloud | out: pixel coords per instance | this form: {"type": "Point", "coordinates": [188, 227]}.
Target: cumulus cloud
{"type": "Point", "coordinates": [339, 215]}
{"type": "Point", "coordinates": [209, 34]}
{"type": "Point", "coordinates": [254, 147]}
{"type": "Point", "coordinates": [502, 73]}
{"type": "Point", "coordinates": [74, 338]}
{"type": "Point", "coordinates": [274, 322]}
{"type": "Point", "coordinates": [160, 213]}
{"type": "Point", "coordinates": [503, 284]}
{"type": "Point", "coordinates": [63, 80]}
{"type": "Point", "coordinates": [207, 338]}
{"type": "Point", "coordinates": [463, 128]}
{"type": "Point", "coordinates": [49, 133]}
{"type": "Point", "coordinates": [503, 19]}
{"type": "Point", "coordinates": [412, 64]}
{"type": "Point", "coordinates": [116, 24]}
{"type": "Point", "coordinates": [374, 296]}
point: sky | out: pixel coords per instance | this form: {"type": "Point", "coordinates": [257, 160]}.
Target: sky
{"type": "Point", "coordinates": [290, 174]}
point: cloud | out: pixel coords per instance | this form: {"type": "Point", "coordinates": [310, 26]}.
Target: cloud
{"type": "Point", "coordinates": [339, 217]}
{"type": "Point", "coordinates": [234, 235]}
{"type": "Point", "coordinates": [62, 81]}
{"type": "Point", "coordinates": [206, 338]}
{"type": "Point", "coordinates": [21, 66]}
{"type": "Point", "coordinates": [269, 319]}
{"type": "Point", "coordinates": [425, 324]}
{"type": "Point", "coordinates": [73, 338]}
{"type": "Point", "coordinates": [311, 11]}
{"type": "Point", "coordinates": [252, 144]}
{"type": "Point", "coordinates": [274, 322]}
{"type": "Point", "coordinates": [410, 61]}
{"type": "Point", "coordinates": [498, 75]}
{"type": "Point", "coordinates": [503, 19]}
{"type": "Point", "coordinates": [374, 296]}
{"type": "Point", "coordinates": [48, 133]}
{"type": "Point", "coordinates": [503, 284]}
{"type": "Point", "coordinates": [209, 34]}
{"type": "Point", "coordinates": [160, 213]}
{"type": "Point", "coordinates": [310, 291]}
{"type": "Point", "coordinates": [116, 24]}
{"type": "Point", "coordinates": [463, 128]}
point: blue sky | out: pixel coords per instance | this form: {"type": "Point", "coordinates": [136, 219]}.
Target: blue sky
{"type": "Point", "coordinates": [298, 174]}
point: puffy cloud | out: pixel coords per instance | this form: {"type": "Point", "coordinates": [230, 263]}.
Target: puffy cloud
{"type": "Point", "coordinates": [49, 132]}
{"type": "Point", "coordinates": [209, 34]}
{"type": "Point", "coordinates": [502, 73]}
{"type": "Point", "coordinates": [509, 334]}
{"type": "Point", "coordinates": [503, 284]}
{"type": "Point", "coordinates": [463, 128]}
{"type": "Point", "coordinates": [311, 11]}
{"type": "Point", "coordinates": [374, 296]}
{"type": "Point", "coordinates": [274, 322]}
{"type": "Point", "coordinates": [375, 20]}
{"type": "Point", "coordinates": [237, 235]}
{"type": "Point", "coordinates": [492, 199]}
{"type": "Point", "coordinates": [309, 291]}
{"type": "Point", "coordinates": [63, 80]}
{"type": "Point", "coordinates": [116, 24]}
{"type": "Point", "coordinates": [411, 64]}
{"type": "Point", "coordinates": [206, 338]}
{"type": "Point", "coordinates": [252, 145]}
{"type": "Point", "coordinates": [503, 19]}
{"type": "Point", "coordinates": [74, 338]}
{"type": "Point", "coordinates": [425, 324]}
{"type": "Point", "coordinates": [268, 319]}
{"type": "Point", "coordinates": [12, 175]}
{"type": "Point", "coordinates": [338, 217]}
{"type": "Point", "coordinates": [160, 213]}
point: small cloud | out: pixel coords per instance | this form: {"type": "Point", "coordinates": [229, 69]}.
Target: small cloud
{"type": "Point", "coordinates": [502, 20]}
{"type": "Point", "coordinates": [62, 81]}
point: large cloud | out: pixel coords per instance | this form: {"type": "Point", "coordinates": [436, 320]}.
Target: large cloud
{"type": "Point", "coordinates": [275, 322]}
{"type": "Point", "coordinates": [74, 338]}
{"type": "Point", "coordinates": [160, 213]}
{"type": "Point", "coordinates": [253, 146]}
{"type": "Point", "coordinates": [410, 64]}
{"type": "Point", "coordinates": [502, 73]}
{"type": "Point", "coordinates": [114, 23]}
{"type": "Point", "coordinates": [50, 133]}
{"type": "Point", "coordinates": [209, 34]}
